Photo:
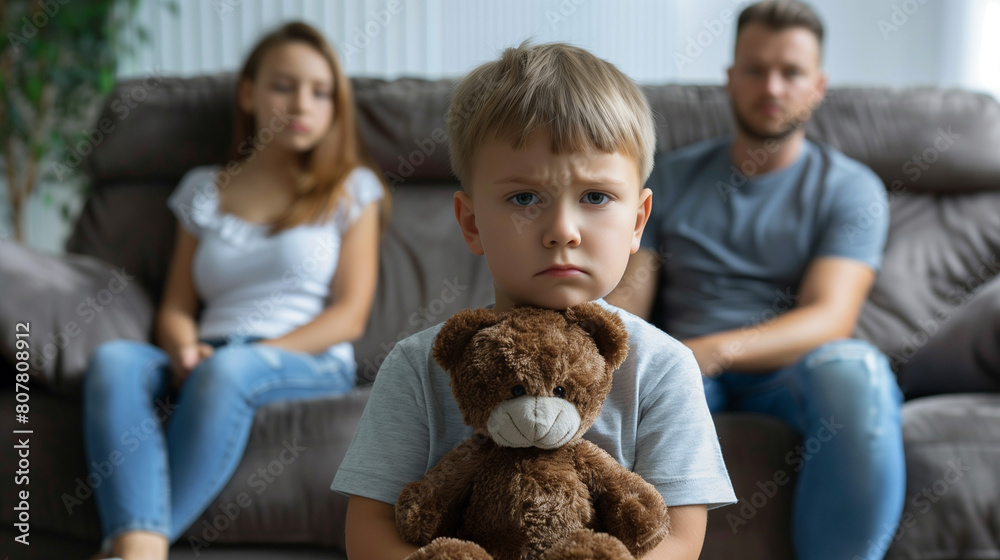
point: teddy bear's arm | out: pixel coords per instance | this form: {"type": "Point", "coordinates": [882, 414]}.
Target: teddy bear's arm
{"type": "Point", "coordinates": [433, 506]}
{"type": "Point", "coordinates": [628, 507]}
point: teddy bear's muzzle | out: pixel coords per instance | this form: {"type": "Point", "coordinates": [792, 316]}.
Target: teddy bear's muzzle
{"type": "Point", "coordinates": [530, 421]}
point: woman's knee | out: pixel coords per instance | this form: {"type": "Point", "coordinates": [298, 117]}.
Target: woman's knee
{"type": "Point", "coordinates": [112, 367]}
{"type": "Point", "coordinates": [227, 371]}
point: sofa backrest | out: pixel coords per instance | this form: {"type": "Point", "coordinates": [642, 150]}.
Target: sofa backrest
{"type": "Point", "coordinates": [923, 142]}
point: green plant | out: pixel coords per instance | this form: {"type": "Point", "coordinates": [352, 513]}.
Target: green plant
{"type": "Point", "coordinates": [58, 60]}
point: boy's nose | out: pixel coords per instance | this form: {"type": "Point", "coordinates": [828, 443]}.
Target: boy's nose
{"type": "Point", "coordinates": [562, 228]}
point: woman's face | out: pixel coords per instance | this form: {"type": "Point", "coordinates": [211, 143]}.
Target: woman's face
{"type": "Point", "coordinates": [291, 97]}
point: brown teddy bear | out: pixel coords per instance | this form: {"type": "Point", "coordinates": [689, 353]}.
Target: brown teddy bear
{"type": "Point", "coordinates": [530, 382]}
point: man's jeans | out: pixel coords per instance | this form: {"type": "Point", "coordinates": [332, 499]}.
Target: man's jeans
{"type": "Point", "coordinates": [843, 399]}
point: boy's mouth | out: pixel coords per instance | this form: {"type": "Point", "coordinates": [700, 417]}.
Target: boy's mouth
{"type": "Point", "coordinates": [562, 271]}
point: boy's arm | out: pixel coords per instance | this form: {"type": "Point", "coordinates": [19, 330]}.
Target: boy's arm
{"type": "Point", "coordinates": [371, 531]}
{"type": "Point", "coordinates": [687, 534]}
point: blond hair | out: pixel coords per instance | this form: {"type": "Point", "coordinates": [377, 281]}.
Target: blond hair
{"type": "Point", "coordinates": [583, 101]}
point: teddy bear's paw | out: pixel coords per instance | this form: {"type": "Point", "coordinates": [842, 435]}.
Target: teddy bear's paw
{"type": "Point", "coordinates": [447, 548]}
{"type": "Point", "coordinates": [417, 518]}
{"type": "Point", "coordinates": [640, 524]}
{"type": "Point", "coordinates": [588, 545]}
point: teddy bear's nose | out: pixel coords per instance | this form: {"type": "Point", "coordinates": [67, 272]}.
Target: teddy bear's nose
{"type": "Point", "coordinates": [532, 421]}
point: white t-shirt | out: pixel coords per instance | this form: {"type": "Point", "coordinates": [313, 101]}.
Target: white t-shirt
{"type": "Point", "coordinates": [253, 284]}
{"type": "Point", "coordinates": [654, 422]}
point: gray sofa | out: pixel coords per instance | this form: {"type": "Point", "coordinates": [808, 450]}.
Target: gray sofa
{"type": "Point", "coordinates": [945, 211]}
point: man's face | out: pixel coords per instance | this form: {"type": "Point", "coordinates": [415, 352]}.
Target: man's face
{"type": "Point", "coordinates": [556, 230]}
{"type": "Point", "coordinates": [775, 81]}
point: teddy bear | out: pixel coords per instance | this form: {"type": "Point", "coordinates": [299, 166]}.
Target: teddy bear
{"type": "Point", "coordinates": [530, 382]}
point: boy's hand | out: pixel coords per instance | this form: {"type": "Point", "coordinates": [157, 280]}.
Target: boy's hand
{"type": "Point", "coordinates": [184, 359]}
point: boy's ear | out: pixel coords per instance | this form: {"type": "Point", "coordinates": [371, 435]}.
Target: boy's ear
{"type": "Point", "coordinates": [466, 216]}
{"type": "Point", "coordinates": [457, 332]}
{"type": "Point", "coordinates": [605, 328]}
{"type": "Point", "coordinates": [641, 217]}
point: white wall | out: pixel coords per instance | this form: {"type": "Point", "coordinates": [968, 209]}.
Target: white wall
{"type": "Point", "coordinates": [869, 42]}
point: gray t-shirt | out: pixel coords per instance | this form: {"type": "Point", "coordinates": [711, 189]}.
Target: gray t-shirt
{"type": "Point", "coordinates": [655, 422]}
{"type": "Point", "coordinates": [735, 249]}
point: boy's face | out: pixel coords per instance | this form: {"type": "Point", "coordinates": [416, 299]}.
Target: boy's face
{"type": "Point", "coordinates": [556, 230]}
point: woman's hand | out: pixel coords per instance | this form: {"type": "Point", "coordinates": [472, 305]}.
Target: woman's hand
{"type": "Point", "coordinates": [183, 360]}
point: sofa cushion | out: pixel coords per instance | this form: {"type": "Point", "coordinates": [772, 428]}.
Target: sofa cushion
{"type": "Point", "coordinates": [941, 250]}
{"type": "Point", "coordinates": [952, 507]}
{"type": "Point", "coordinates": [72, 303]}
{"type": "Point", "coordinates": [128, 226]}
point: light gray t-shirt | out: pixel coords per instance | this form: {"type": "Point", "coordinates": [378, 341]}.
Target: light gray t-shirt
{"type": "Point", "coordinates": [655, 422]}
{"type": "Point", "coordinates": [259, 285]}
{"type": "Point", "coordinates": [735, 249]}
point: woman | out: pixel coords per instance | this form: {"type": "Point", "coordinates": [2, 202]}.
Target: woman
{"type": "Point", "coordinates": [280, 247]}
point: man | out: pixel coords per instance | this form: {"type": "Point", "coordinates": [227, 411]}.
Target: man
{"type": "Point", "coordinates": [764, 273]}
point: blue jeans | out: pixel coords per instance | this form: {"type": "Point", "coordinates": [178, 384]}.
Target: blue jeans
{"type": "Point", "coordinates": [843, 399]}
{"type": "Point", "coordinates": [163, 455]}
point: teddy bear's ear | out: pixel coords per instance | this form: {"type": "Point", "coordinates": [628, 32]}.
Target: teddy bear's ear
{"type": "Point", "coordinates": [605, 328]}
{"type": "Point", "coordinates": [455, 334]}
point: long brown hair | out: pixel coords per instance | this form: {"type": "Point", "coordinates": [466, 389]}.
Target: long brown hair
{"type": "Point", "coordinates": [324, 167]}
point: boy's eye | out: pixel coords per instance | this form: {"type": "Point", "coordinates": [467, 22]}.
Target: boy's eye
{"type": "Point", "coordinates": [523, 199]}
{"type": "Point", "coordinates": [596, 198]}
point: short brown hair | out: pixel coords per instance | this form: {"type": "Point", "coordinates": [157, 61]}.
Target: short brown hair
{"type": "Point", "coordinates": [584, 102]}
{"type": "Point", "coordinates": [779, 15]}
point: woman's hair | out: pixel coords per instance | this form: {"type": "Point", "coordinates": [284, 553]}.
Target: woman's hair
{"type": "Point", "coordinates": [583, 101]}
{"type": "Point", "coordinates": [324, 167]}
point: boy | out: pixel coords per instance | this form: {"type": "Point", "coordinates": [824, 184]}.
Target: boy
{"type": "Point", "coordinates": [552, 146]}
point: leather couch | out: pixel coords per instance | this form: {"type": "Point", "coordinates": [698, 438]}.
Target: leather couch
{"type": "Point", "coordinates": [938, 152]}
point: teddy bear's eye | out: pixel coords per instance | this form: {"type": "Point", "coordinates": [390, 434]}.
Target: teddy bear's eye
{"type": "Point", "coordinates": [559, 392]}
{"type": "Point", "coordinates": [517, 390]}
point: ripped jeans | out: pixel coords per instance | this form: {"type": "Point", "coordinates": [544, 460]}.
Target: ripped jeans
{"type": "Point", "coordinates": [158, 456]}
{"type": "Point", "coordinates": [851, 475]}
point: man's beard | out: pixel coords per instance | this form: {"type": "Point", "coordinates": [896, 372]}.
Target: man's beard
{"type": "Point", "coordinates": [744, 125]}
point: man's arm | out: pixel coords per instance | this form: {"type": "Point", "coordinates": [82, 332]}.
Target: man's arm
{"type": "Point", "coordinates": [637, 288]}
{"type": "Point", "coordinates": [371, 531]}
{"type": "Point", "coordinates": [830, 299]}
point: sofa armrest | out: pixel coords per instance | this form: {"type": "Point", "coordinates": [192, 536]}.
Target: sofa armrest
{"type": "Point", "coordinates": [71, 304]}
